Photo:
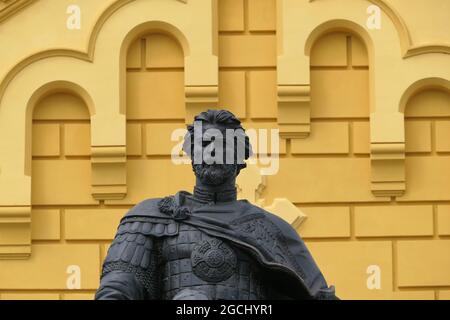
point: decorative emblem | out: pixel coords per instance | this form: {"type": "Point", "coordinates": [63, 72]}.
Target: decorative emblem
{"type": "Point", "coordinates": [213, 260]}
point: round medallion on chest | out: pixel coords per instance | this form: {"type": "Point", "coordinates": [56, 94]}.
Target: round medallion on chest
{"type": "Point", "coordinates": [213, 260]}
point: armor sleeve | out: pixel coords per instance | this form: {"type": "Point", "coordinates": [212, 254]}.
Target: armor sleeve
{"type": "Point", "coordinates": [131, 268]}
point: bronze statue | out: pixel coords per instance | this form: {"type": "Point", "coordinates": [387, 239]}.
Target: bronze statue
{"type": "Point", "coordinates": [208, 245]}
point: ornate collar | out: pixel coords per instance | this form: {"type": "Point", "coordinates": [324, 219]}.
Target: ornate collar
{"type": "Point", "coordinates": [215, 196]}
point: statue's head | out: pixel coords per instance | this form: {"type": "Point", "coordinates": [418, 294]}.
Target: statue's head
{"type": "Point", "coordinates": [217, 145]}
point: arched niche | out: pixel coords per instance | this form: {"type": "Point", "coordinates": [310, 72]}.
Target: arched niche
{"type": "Point", "coordinates": [134, 56]}
{"type": "Point", "coordinates": [33, 110]}
{"type": "Point", "coordinates": [339, 71]}
{"type": "Point", "coordinates": [419, 86]}
{"type": "Point", "coordinates": [16, 217]}
{"type": "Point", "coordinates": [339, 25]}
{"type": "Point", "coordinates": [154, 66]}
{"type": "Point", "coordinates": [61, 148]}
{"type": "Point", "coordinates": [155, 74]}
{"type": "Point", "coordinates": [294, 88]}
{"type": "Point", "coordinates": [426, 107]}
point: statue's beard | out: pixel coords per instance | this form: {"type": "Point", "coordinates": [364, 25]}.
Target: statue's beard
{"type": "Point", "coordinates": [214, 174]}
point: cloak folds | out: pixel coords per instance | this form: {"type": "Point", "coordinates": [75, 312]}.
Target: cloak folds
{"type": "Point", "coordinates": [276, 246]}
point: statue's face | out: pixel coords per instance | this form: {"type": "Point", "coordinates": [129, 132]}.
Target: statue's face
{"type": "Point", "coordinates": [214, 168]}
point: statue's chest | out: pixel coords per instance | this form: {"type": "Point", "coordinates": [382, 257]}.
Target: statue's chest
{"type": "Point", "coordinates": [192, 259]}
{"type": "Point", "coordinates": [193, 251]}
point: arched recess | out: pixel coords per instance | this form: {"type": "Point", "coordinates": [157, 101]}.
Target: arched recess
{"type": "Point", "coordinates": [135, 56]}
{"type": "Point", "coordinates": [48, 89]}
{"type": "Point", "coordinates": [155, 108]}
{"type": "Point", "coordinates": [48, 141]}
{"type": "Point", "coordinates": [340, 71]}
{"type": "Point", "coordinates": [426, 107]}
{"type": "Point", "coordinates": [98, 71]}
{"type": "Point", "coordinates": [339, 25]}
{"type": "Point", "coordinates": [294, 100]}
{"type": "Point", "coordinates": [422, 85]}
{"type": "Point", "coordinates": [340, 95]}
{"type": "Point", "coordinates": [109, 180]}
{"type": "Point", "coordinates": [294, 50]}
{"type": "Point", "coordinates": [60, 150]}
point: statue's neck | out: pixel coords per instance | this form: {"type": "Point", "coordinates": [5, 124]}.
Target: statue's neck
{"type": "Point", "coordinates": [221, 193]}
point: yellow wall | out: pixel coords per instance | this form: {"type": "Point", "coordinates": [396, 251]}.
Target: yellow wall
{"type": "Point", "coordinates": [327, 174]}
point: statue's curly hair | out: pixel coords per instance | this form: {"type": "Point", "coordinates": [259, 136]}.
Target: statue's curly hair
{"type": "Point", "coordinates": [223, 119]}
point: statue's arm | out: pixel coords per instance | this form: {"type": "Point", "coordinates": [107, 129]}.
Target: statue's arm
{"type": "Point", "coordinates": [118, 285]}
{"type": "Point", "coordinates": [130, 270]}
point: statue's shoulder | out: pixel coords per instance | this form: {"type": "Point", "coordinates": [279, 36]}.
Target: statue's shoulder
{"type": "Point", "coordinates": [147, 219]}
{"type": "Point", "coordinates": [146, 208]}
{"type": "Point", "coordinates": [170, 207]}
